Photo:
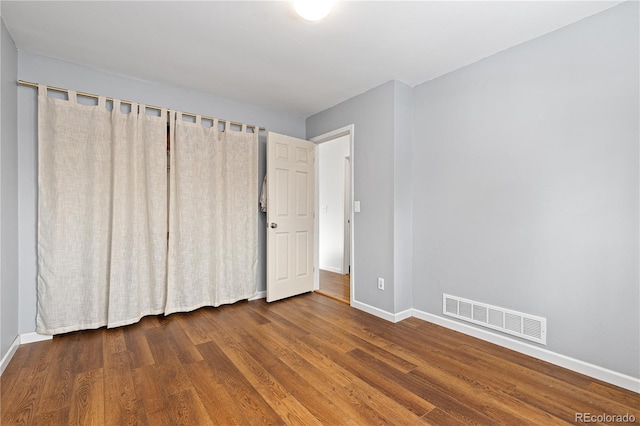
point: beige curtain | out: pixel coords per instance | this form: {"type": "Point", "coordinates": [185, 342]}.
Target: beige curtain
{"type": "Point", "coordinates": [213, 215]}
{"type": "Point", "coordinates": [138, 273]}
{"type": "Point", "coordinates": [101, 214]}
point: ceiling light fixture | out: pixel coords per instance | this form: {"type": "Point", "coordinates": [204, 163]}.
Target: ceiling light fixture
{"type": "Point", "coordinates": [312, 10]}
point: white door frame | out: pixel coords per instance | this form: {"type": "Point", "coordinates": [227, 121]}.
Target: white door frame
{"type": "Point", "coordinates": [343, 131]}
{"type": "Point", "coordinates": [346, 251]}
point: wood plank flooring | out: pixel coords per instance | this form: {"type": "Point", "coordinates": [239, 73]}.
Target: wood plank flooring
{"type": "Point", "coordinates": [334, 285]}
{"type": "Point", "coordinates": [307, 360]}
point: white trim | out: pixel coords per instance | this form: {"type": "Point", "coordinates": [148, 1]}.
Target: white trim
{"type": "Point", "coordinates": [21, 339]}
{"type": "Point", "coordinates": [259, 295]}
{"type": "Point", "coordinates": [33, 337]}
{"type": "Point", "coordinates": [348, 205]}
{"type": "Point", "coordinates": [334, 134]}
{"type": "Point", "coordinates": [601, 373]}
{"type": "Point", "coordinates": [372, 310]}
{"type": "Point", "coordinates": [403, 315]}
{"type": "Point", "coordinates": [7, 357]}
{"type": "Point", "coordinates": [380, 313]}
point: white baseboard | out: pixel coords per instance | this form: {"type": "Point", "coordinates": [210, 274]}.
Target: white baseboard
{"type": "Point", "coordinates": [331, 269]}
{"type": "Point", "coordinates": [7, 357]}
{"type": "Point", "coordinates": [403, 315]}
{"type": "Point", "coordinates": [591, 370]}
{"type": "Point", "coordinates": [33, 337]}
{"type": "Point", "coordinates": [380, 313]}
{"type": "Point", "coordinates": [259, 295]}
{"type": "Point", "coordinates": [21, 339]}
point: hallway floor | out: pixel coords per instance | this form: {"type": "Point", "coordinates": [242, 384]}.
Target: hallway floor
{"type": "Point", "coordinates": [335, 286]}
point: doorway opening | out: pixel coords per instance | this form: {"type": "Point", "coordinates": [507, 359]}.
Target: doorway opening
{"type": "Point", "coordinates": [334, 266]}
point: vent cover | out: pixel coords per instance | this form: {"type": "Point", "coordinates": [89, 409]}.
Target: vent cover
{"type": "Point", "coordinates": [525, 326]}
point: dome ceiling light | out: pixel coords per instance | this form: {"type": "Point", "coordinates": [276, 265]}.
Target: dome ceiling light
{"type": "Point", "coordinates": [312, 10]}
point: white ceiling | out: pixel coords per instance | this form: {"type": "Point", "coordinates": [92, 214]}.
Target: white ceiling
{"type": "Point", "coordinates": [261, 53]}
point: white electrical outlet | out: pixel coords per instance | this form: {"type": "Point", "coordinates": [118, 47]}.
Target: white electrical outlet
{"type": "Point", "coordinates": [380, 283]}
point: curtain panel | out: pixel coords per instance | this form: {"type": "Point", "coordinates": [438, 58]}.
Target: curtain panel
{"type": "Point", "coordinates": [138, 272]}
{"type": "Point", "coordinates": [117, 238]}
{"type": "Point", "coordinates": [213, 215]}
{"type": "Point", "coordinates": [102, 220]}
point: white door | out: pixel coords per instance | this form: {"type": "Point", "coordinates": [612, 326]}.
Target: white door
{"type": "Point", "coordinates": [290, 211]}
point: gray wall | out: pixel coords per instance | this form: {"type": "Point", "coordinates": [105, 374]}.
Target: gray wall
{"type": "Point", "coordinates": [402, 198]}
{"type": "Point", "coordinates": [525, 186]}
{"type": "Point", "coordinates": [8, 192]}
{"type": "Point", "coordinates": [376, 143]}
{"type": "Point", "coordinates": [372, 115]}
{"type": "Point", "coordinates": [52, 72]}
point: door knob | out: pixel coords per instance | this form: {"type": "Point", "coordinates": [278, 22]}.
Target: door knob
{"type": "Point", "coordinates": [274, 225]}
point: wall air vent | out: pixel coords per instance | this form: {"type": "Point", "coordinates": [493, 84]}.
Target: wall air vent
{"type": "Point", "coordinates": [525, 326]}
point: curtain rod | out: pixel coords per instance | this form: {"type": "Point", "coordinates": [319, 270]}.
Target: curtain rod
{"type": "Point", "coordinates": [91, 95]}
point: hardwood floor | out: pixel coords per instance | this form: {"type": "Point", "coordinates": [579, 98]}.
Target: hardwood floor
{"type": "Point", "coordinates": [304, 360]}
{"type": "Point", "coordinates": [334, 285]}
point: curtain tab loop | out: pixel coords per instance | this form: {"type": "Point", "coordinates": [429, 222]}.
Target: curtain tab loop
{"type": "Point", "coordinates": [215, 124]}
{"type": "Point", "coordinates": [72, 96]}
{"type": "Point", "coordinates": [102, 102]}
{"type": "Point", "coordinates": [199, 120]}
{"type": "Point", "coordinates": [116, 106]}
{"type": "Point", "coordinates": [244, 128]}
{"type": "Point", "coordinates": [42, 90]}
